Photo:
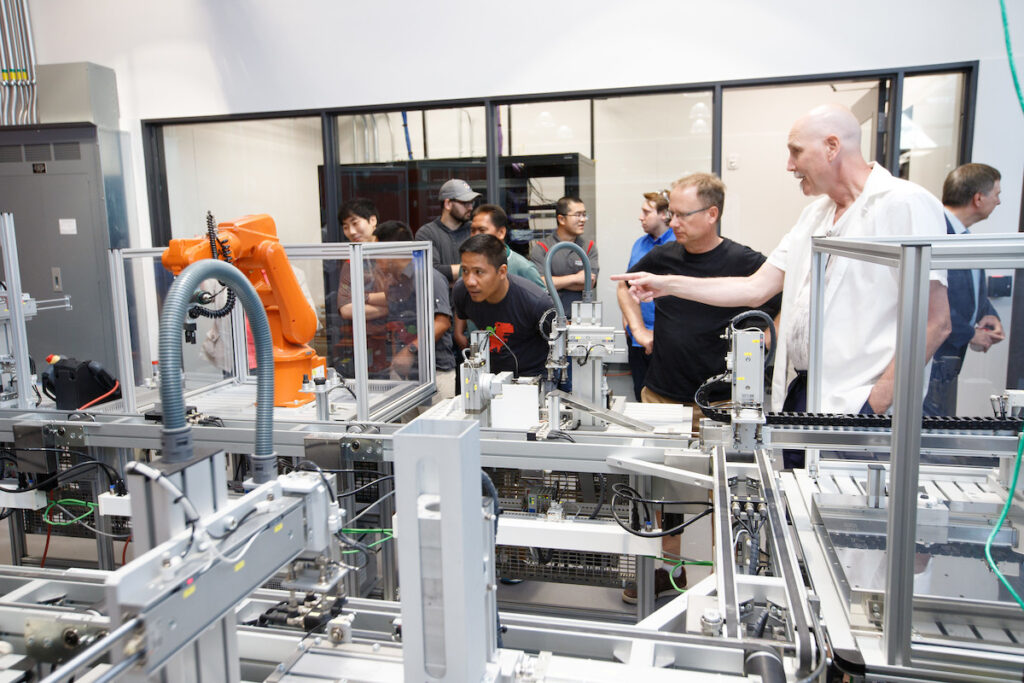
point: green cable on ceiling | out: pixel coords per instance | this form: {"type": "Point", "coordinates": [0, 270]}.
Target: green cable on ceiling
{"type": "Point", "coordinates": [1009, 54]}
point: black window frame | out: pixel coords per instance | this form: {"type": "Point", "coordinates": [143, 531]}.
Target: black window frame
{"type": "Point", "coordinates": [887, 146]}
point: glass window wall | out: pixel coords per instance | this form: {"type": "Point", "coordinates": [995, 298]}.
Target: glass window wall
{"type": "Point", "coordinates": [607, 150]}
{"type": "Point", "coordinates": [763, 200]}
{"type": "Point", "coordinates": [930, 128]}
{"type": "Point", "coordinates": [398, 161]}
{"type": "Point", "coordinates": [237, 168]}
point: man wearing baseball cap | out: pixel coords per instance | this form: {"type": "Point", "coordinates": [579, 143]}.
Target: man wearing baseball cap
{"type": "Point", "coordinates": [452, 228]}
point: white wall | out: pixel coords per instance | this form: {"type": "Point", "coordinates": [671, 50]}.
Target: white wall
{"type": "Point", "coordinates": [204, 57]}
{"type": "Point", "coordinates": [642, 145]}
{"type": "Point", "coordinates": [762, 199]}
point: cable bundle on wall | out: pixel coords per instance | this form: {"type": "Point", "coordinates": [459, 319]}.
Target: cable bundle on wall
{"type": "Point", "coordinates": [17, 65]}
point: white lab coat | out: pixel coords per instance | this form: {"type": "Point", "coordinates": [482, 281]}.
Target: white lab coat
{"type": "Point", "coordinates": [860, 298]}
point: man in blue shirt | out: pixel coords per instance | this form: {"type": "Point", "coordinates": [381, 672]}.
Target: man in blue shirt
{"type": "Point", "coordinates": [654, 221]}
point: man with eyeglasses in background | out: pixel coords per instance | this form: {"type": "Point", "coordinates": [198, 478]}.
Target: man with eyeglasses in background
{"type": "Point", "coordinates": [448, 231]}
{"type": "Point", "coordinates": [567, 273]}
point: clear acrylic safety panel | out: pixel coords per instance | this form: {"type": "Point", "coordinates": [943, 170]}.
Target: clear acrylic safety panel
{"type": "Point", "coordinates": [219, 371]}
{"type": "Point", "coordinates": [958, 601]}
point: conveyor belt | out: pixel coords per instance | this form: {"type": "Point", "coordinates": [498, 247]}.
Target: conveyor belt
{"type": "Point", "coordinates": [928, 422]}
{"type": "Point", "coordinates": [952, 549]}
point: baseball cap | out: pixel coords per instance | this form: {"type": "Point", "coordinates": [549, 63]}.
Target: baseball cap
{"type": "Point", "coordinates": [458, 190]}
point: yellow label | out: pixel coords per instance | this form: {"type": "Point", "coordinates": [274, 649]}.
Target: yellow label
{"type": "Point", "coordinates": [741, 379]}
{"type": "Point", "coordinates": [280, 525]}
{"type": "Point", "coordinates": [188, 592]}
{"type": "Point", "coordinates": [748, 354]}
{"type": "Point", "coordinates": [239, 565]}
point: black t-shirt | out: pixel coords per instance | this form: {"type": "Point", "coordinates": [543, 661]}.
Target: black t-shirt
{"type": "Point", "coordinates": [688, 348]}
{"type": "Point", "coordinates": [513, 320]}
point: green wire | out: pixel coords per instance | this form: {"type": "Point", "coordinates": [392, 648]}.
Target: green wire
{"type": "Point", "coordinates": [388, 537]}
{"type": "Point", "coordinates": [68, 501]}
{"type": "Point", "coordinates": [679, 560]}
{"type": "Point", "coordinates": [1002, 518]}
{"type": "Point", "coordinates": [676, 564]}
{"type": "Point", "coordinates": [672, 578]}
{"type": "Point", "coordinates": [1009, 53]}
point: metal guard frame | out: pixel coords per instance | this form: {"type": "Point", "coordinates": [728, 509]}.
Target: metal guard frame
{"type": "Point", "coordinates": [914, 257]}
{"type": "Point", "coordinates": [421, 254]}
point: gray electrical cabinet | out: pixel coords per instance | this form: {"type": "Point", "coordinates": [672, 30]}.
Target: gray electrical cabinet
{"type": "Point", "coordinates": [64, 185]}
{"type": "Point", "coordinates": [64, 182]}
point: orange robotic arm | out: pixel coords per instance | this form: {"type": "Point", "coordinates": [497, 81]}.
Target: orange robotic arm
{"type": "Point", "coordinates": [256, 251]}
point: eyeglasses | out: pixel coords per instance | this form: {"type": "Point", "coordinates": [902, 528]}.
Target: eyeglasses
{"type": "Point", "coordinates": [681, 216]}
{"type": "Point", "coordinates": [579, 215]}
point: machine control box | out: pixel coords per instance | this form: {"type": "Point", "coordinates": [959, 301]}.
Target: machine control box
{"type": "Point", "coordinates": [748, 367]}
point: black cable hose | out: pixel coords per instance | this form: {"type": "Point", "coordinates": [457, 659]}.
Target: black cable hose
{"type": "Point", "coordinates": [634, 498]}
{"type": "Point", "coordinates": [714, 413]}
{"type": "Point", "coordinates": [225, 249]}
{"type": "Point", "coordinates": [632, 495]}
{"type": "Point", "coordinates": [211, 233]}
{"type": "Point", "coordinates": [310, 466]}
{"type": "Point", "coordinates": [361, 547]}
{"type": "Point", "coordinates": [63, 476]}
{"type": "Point", "coordinates": [492, 491]}
{"type": "Point", "coordinates": [600, 497]}
{"type": "Point", "coordinates": [658, 534]}
{"type": "Point", "coordinates": [245, 517]}
{"type": "Point", "coordinates": [761, 622]}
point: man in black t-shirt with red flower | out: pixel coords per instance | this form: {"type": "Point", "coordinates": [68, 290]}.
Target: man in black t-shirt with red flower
{"type": "Point", "coordinates": [509, 306]}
